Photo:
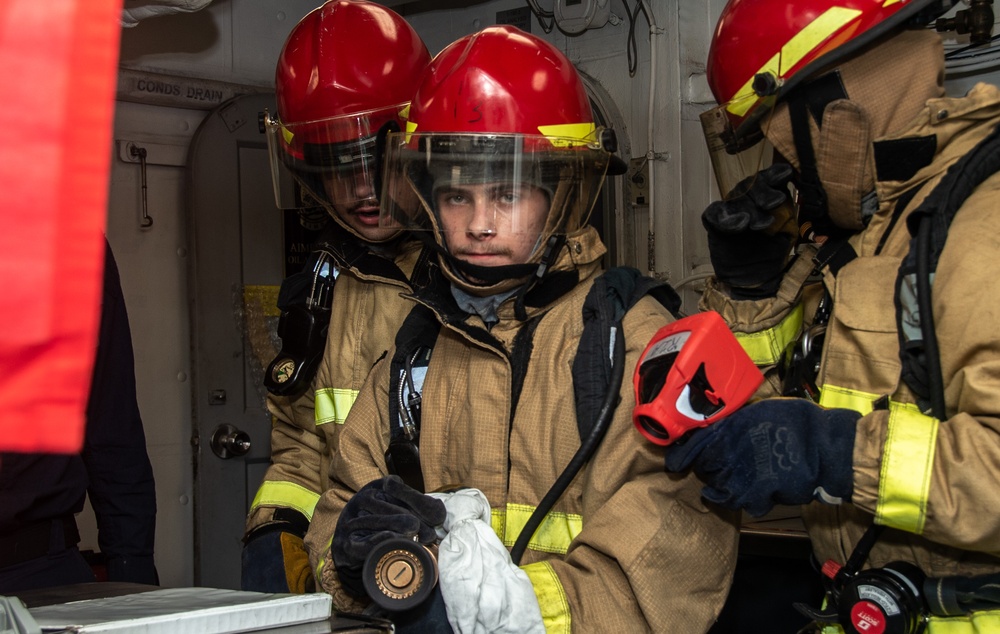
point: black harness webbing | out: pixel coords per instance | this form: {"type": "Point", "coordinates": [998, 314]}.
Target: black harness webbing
{"type": "Point", "coordinates": [610, 297]}
{"type": "Point", "coordinates": [929, 224]}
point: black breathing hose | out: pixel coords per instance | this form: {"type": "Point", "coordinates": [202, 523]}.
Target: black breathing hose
{"type": "Point", "coordinates": [932, 356]}
{"type": "Point", "coordinates": [582, 455]}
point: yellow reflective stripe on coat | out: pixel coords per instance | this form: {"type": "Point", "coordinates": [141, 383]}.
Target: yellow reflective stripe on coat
{"type": "Point", "coordinates": [333, 403]}
{"type": "Point", "coordinates": [986, 622]}
{"type": "Point", "coordinates": [551, 597]}
{"type": "Point", "coordinates": [907, 457]}
{"type": "Point", "coordinates": [907, 462]}
{"type": "Point", "coordinates": [767, 346]}
{"type": "Point", "coordinates": [286, 495]}
{"type": "Point", "coordinates": [554, 534]}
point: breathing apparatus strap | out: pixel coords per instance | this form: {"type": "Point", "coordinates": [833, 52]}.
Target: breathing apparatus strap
{"type": "Point", "coordinates": [958, 596]}
{"type": "Point", "coordinates": [611, 296]}
{"type": "Point", "coordinates": [598, 369]}
{"type": "Point", "coordinates": [928, 225]}
{"type": "Point", "coordinates": [414, 345]}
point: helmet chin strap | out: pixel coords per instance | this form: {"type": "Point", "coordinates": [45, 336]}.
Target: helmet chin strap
{"type": "Point", "coordinates": [808, 100]}
{"type": "Point", "coordinates": [552, 248]}
{"type": "Point", "coordinates": [532, 273]}
{"type": "Point", "coordinates": [813, 207]}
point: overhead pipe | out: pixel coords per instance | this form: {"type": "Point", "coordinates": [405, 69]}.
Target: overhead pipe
{"type": "Point", "coordinates": [654, 30]}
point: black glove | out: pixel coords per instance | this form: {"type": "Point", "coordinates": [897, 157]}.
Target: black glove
{"type": "Point", "coordinates": [776, 451]}
{"type": "Point", "coordinates": [750, 233]}
{"type": "Point", "coordinates": [381, 510]}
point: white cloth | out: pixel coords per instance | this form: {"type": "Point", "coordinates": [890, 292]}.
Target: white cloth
{"type": "Point", "coordinates": [482, 589]}
{"type": "Point", "coordinates": [135, 11]}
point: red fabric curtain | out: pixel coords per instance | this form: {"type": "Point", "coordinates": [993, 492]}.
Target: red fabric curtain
{"type": "Point", "coordinates": [58, 65]}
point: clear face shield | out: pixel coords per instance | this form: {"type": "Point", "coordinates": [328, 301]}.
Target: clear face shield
{"type": "Point", "coordinates": [738, 152]}
{"type": "Point", "coordinates": [492, 200]}
{"type": "Point", "coordinates": [336, 164]}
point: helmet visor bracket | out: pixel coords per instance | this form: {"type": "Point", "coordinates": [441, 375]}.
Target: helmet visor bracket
{"type": "Point", "coordinates": [737, 150]}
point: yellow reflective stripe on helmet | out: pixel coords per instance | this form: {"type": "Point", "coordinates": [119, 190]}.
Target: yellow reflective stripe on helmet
{"type": "Point", "coordinates": [767, 346]}
{"type": "Point", "coordinates": [569, 134]}
{"type": "Point", "coordinates": [551, 597]}
{"type": "Point", "coordinates": [808, 39]}
{"type": "Point", "coordinates": [985, 622]}
{"type": "Point", "coordinates": [286, 495]}
{"type": "Point", "coordinates": [333, 403]}
{"type": "Point", "coordinates": [411, 127]}
{"type": "Point", "coordinates": [554, 534]}
{"type": "Point", "coordinates": [907, 457]}
{"type": "Point", "coordinates": [889, 3]}
{"type": "Point", "coordinates": [802, 43]}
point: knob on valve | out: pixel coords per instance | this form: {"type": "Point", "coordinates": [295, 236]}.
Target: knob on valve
{"type": "Point", "coordinates": [400, 574]}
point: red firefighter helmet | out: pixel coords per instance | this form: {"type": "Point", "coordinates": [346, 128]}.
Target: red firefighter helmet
{"type": "Point", "coordinates": [503, 80]}
{"type": "Point", "coordinates": [502, 106]}
{"type": "Point", "coordinates": [343, 81]}
{"type": "Point", "coordinates": [761, 49]}
{"type": "Point", "coordinates": [348, 61]}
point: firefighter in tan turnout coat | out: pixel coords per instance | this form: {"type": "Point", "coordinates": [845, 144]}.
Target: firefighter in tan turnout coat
{"type": "Point", "coordinates": [503, 154]}
{"type": "Point", "coordinates": [881, 326]}
{"type": "Point", "coordinates": [344, 77]}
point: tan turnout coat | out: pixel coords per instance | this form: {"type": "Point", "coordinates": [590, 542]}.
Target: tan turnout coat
{"type": "Point", "coordinates": [366, 311]}
{"type": "Point", "coordinates": [646, 553]}
{"type": "Point", "coordinates": [959, 531]}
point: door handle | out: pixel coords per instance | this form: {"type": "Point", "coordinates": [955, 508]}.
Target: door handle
{"type": "Point", "coordinates": [230, 442]}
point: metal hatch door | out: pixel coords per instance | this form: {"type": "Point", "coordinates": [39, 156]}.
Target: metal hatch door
{"type": "Point", "coordinates": [235, 233]}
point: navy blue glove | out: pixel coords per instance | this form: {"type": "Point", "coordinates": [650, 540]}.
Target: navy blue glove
{"type": "Point", "coordinates": [383, 509]}
{"type": "Point", "coordinates": [750, 233]}
{"type": "Point", "coordinates": [776, 451]}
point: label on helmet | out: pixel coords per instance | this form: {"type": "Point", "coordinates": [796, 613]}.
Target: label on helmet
{"type": "Point", "coordinates": [868, 618]}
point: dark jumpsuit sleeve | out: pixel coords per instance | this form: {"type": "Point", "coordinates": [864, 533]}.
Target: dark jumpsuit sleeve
{"type": "Point", "coordinates": [121, 489]}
